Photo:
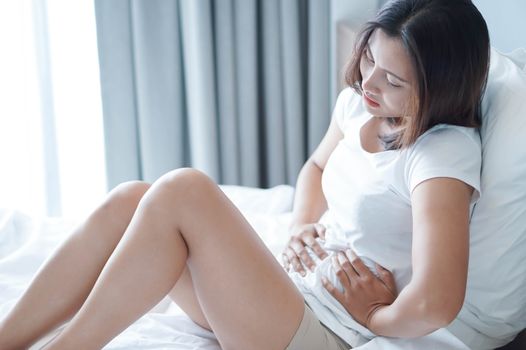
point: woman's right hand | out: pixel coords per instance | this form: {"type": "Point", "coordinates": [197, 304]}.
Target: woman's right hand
{"type": "Point", "coordinates": [296, 255]}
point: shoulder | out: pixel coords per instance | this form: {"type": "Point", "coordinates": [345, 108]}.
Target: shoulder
{"type": "Point", "coordinates": [445, 151]}
{"type": "Point", "coordinates": [347, 96]}
{"type": "Point", "coordinates": [348, 106]}
{"type": "Point", "coordinates": [451, 141]}
{"type": "Point", "coordinates": [447, 136]}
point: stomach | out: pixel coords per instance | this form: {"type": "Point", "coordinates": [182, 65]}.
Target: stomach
{"type": "Point", "coordinates": [328, 310]}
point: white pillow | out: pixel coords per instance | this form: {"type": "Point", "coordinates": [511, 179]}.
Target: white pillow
{"type": "Point", "coordinates": [495, 303]}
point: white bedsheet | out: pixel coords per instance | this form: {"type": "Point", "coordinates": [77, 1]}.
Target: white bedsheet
{"type": "Point", "coordinates": [25, 243]}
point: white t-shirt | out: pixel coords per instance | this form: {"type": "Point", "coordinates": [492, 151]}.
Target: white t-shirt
{"type": "Point", "coordinates": [369, 203]}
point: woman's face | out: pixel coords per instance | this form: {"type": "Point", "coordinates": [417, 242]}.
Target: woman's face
{"type": "Point", "coordinates": [387, 76]}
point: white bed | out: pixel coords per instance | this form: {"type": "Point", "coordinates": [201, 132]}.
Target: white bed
{"type": "Point", "coordinates": [25, 243]}
{"type": "Point", "coordinates": [499, 221]}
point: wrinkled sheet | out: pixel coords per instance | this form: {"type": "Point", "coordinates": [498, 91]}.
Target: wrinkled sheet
{"type": "Point", "coordinates": [26, 242]}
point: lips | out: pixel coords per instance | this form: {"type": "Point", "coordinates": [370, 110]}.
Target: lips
{"type": "Point", "coordinates": [370, 101]}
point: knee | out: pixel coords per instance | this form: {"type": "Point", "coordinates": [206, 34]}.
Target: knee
{"type": "Point", "coordinates": [187, 183]}
{"type": "Point", "coordinates": [124, 198]}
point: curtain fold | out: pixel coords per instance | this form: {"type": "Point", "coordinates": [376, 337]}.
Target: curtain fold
{"type": "Point", "coordinates": [236, 88]}
{"type": "Point", "coordinates": [272, 101]}
{"type": "Point", "coordinates": [198, 53]}
{"type": "Point", "coordinates": [159, 87]}
{"type": "Point", "coordinates": [246, 51]}
{"type": "Point", "coordinates": [319, 101]}
{"type": "Point", "coordinates": [293, 83]}
{"type": "Point", "coordinates": [116, 61]}
{"type": "Point", "coordinates": [225, 65]}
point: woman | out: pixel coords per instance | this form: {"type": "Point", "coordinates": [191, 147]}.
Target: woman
{"type": "Point", "coordinates": [400, 164]}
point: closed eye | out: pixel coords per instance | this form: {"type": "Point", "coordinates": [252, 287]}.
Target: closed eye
{"type": "Point", "coordinates": [367, 54]}
{"type": "Point", "coordinates": [391, 84]}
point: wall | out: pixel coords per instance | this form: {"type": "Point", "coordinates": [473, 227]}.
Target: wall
{"type": "Point", "coordinates": [506, 20]}
{"type": "Point", "coordinates": [346, 17]}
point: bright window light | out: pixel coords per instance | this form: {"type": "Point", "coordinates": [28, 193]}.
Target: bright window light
{"type": "Point", "coordinates": [74, 80]}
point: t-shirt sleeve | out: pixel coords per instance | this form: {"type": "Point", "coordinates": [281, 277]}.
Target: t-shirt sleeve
{"type": "Point", "coordinates": [447, 152]}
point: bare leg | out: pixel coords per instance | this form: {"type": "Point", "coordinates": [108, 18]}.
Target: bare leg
{"type": "Point", "coordinates": [183, 294]}
{"type": "Point", "coordinates": [185, 219]}
{"type": "Point", "coordinates": [79, 260]}
{"type": "Point", "coordinates": [47, 303]}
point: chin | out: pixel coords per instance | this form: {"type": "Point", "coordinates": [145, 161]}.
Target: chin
{"type": "Point", "coordinates": [377, 112]}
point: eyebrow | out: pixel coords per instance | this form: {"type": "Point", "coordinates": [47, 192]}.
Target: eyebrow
{"type": "Point", "coordinates": [368, 48]}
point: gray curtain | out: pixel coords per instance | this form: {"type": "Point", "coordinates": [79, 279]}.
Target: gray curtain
{"type": "Point", "coordinates": [239, 89]}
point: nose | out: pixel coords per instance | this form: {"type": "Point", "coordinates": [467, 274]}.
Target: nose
{"type": "Point", "coordinates": [370, 82]}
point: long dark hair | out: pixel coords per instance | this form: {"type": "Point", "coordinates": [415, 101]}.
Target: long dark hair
{"type": "Point", "coordinates": [448, 44]}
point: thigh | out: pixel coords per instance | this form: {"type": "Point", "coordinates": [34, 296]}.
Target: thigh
{"type": "Point", "coordinates": [183, 294]}
{"type": "Point", "coordinates": [247, 297]}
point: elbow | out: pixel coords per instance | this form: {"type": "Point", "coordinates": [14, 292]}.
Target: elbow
{"type": "Point", "coordinates": [446, 316]}
{"type": "Point", "coordinates": [437, 303]}
{"type": "Point", "coordinates": [440, 312]}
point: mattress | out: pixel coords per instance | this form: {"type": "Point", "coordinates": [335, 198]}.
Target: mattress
{"type": "Point", "coordinates": [26, 241]}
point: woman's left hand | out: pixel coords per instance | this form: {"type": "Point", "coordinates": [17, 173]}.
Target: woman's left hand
{"type": "Point", "coordinates": [363, 292]}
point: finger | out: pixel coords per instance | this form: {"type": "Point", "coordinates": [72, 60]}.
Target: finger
{"type": "Point", "coordinates": [320, 230]}
{"type": "Point", "coordinates": [347, 267]}
{"type": "Point", "coordinates": [303, 254]}
{"type": "Point", "coordinates": [316, 247]}
{"type": "Point", "coordinates": [294, 261]}
{"type": "Point", "coordinates": [285, 261]}
{"type": "Point", "coordinates": [341, 273]}
{"type": "Point", "coordinates": [332, 289]}
{"type": "Point", "coordinates": [298, 266]}
{"type": "Point", "coordinates": [387, 278]}
{"type": "Point", "coordinates": [358, 264]}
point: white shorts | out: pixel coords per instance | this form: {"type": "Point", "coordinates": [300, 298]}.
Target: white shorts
{"type": "Point", "coordinates": [313, 335]}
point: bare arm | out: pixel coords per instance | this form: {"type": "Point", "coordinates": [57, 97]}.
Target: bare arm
{"type": "Point", "coordinates": [309, 205]}
{"type": "Point", "coordinates": [436, 292]}
{"type": "Point", "coordinates": [309, 201]}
